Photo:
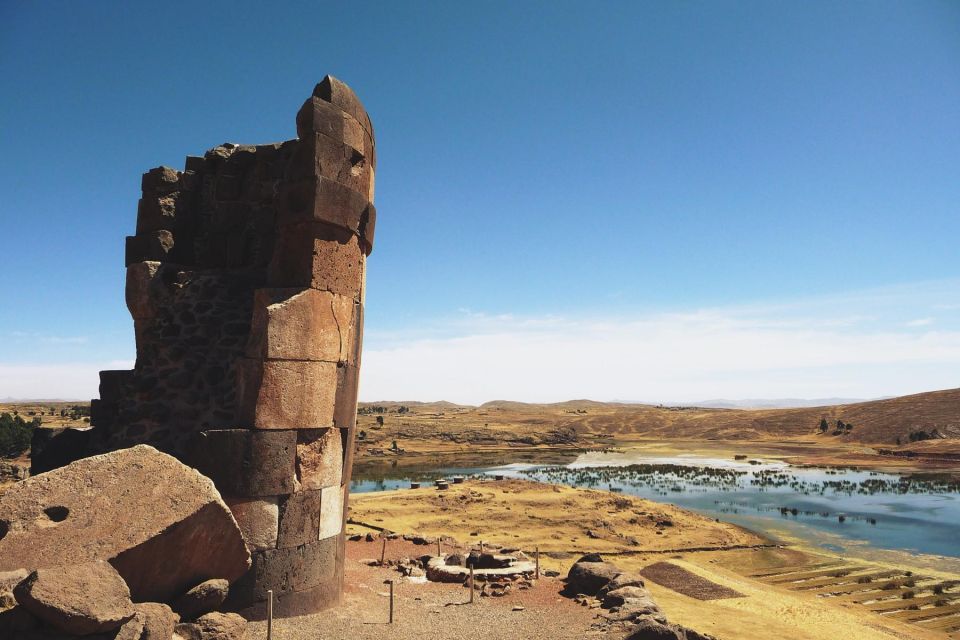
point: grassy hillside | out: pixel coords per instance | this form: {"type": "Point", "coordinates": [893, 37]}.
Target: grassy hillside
{"type": "Point", "coordinates": [874, 422]}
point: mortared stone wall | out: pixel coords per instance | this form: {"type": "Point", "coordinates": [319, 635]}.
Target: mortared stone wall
{"type": "Point", "coordinates": [245, 280]}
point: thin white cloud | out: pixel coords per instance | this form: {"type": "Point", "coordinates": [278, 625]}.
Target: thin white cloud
{"type": "Point", "coordinates": [855, 346]}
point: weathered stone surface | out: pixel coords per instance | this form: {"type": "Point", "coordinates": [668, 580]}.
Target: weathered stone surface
{"type": "Point", "coordinates": [650, 629]}
{"type": "Point", "coordinates": [341, 163]}
{"type": "Point", "coordinates": [78, 599]}
{"type": "Point", "coordinates": [214, 626]}
{"type": "Point", "coordinates": [245, 462]}
{"type": "Point", "coordinates": [345, 412]}
{"type": "Point", "coordinates": [326, 201]}
{"type": "Point", "coordinates": [157, 213]}
{"type": "Point", "coordinates": [54, 448]}
{"type": "Point", "coordinates": [301, 324]}
{"type": "Point", "coordinates": [141, 277]}
{"type": "Point", "coordinates": [320, 256]}
{"type": "Point", "coordinates": [132, 629]}
{"type": "Point", "coordinates": [280, 394]}
{"type": "Point", "coordinates": [285, 570]}
{"type": "Point", "coordinates": [331, 511]}
{"type": "Point", "coordinates": [10, 579]}
{"type": "Point", "coordinates": [160, 523]}
{"type": "Point", "coordinates": [320, 116]}
{"type": "Point", "coordinates": [203, 598]}
{"type": "Point", "coordinates": [319, 458]}
{"type": "Point", "coordinates": [624, 579]}
{"type": "Point", "coordinates": [259, 520]}
{"type": "Point", "coordinates": [340, 95]}
{"type": "Point", "coordinates": [299, 519]}
{"type": "Point", "coordinates": [635, 599]}
{"type": "Point", "coordinates": [298, 603]}
{"type": "Point", "coordinates": [588, 576]}
{"type": "Point", "coordinates": [148, 246]}
{"type": "Point", "coordinates": [160, 180]}
{"type": "Point", "coordinates": [158, 620]}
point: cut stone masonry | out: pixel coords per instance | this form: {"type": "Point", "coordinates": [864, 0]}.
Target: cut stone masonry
{"type": "Point", "coordinates": [245, 281]}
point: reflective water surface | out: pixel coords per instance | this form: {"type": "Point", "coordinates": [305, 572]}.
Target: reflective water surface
{"type": "Point", "coordinates": [824, 506]}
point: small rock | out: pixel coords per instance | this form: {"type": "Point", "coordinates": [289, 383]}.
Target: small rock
{"type": "Point", "coordinates": [77, 599]}
{"type": "Point", "coordinates": [203, 598]}
{"type": "Point", "coordinates": [214, 626]}
{"type": "Point", "coordinates": [517, 608]}
{"type": "Point", "coordinates": [159, 620]}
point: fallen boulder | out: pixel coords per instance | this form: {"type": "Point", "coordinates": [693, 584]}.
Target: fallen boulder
{"type": "Point", "coordinates": [159, 620]}
{"type": "Point", "coordinates": [77, 599]}
{"type": "Point", "coordinates": [162, 525]}
{"type": "Point", "coordinates": [589, 574]}
{"type": "Point", "coordinates": [214, 626]}
{"type": "Point", "coordinates": [203, 598]}
{"type": "Point", "coordinates": [649, 629]}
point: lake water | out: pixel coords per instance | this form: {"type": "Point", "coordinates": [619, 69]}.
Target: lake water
{"type": "Point", "coordinates": [828, 507]}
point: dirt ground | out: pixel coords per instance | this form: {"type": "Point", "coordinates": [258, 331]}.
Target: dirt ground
{"type": "Point", "coordinates": [433, 611]}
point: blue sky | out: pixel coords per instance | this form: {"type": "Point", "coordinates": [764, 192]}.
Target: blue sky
{"type": "Point", "coordinates": [636, 200]}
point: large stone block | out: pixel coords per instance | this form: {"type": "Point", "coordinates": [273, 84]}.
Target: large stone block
{"type": "Point", "coordinates": [162, 525]}
{"type": "Point", "coordinates": [324, 157]}
{"type": "Point", "coordinates": [156, 213]}
{"type": "Point", "coordinates": [113, 383]}
{"type": "Point", "coordinates": [286, 570]}
{"type": "Point", "coordinates": [77, 599]}
{"type": "Point", "coordinates": [284, 394]}
{"type": "Point", "coordinates": [54, 448]}
{"type": "Point", "coordinates": [141, 278]}
{"type": "Point", "coordinates": [259, 520]}
{"type": "Point", "coordinates": [301, 324]}
{"type": "Point", "coordinates": [299, 519]}
{"type": "Point", "coordinates": [348, 382]}
{"type": "Point", "coordinates": [327, 201]}
{"type": "Point", "coordinates": [331, 511]}
{"type": "Point", "coordinates": [340, 95]}
{"type": "Point", "coordinates": [319, 256]}
{"type": "Point", "coordinates": [319, 116]}
{"type": "Point", "coordinates": [246, 462]}
{"type": "Point", "coordinates": [149, 246]}
{"type": "Point", "coordinates": [298, 603]}
{"type": "Point", "coordinates": [160, 180]}
{"type": "Point", "coordinates": [319, 458]}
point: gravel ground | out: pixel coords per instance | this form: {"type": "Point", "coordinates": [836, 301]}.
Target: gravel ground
{"type": "Point", "coordinates": [432, 610]}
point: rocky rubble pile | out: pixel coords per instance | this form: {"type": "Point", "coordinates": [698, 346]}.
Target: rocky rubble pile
{"type": "Point", "coordinates": [130, 545]}
{"type": "Point", "coordinates": [630, 613]}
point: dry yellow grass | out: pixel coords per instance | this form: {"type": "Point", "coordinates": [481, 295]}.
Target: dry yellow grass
{"type": "Point", "coordinates": [564, 522]}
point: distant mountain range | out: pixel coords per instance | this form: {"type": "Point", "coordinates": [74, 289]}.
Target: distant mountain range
{"type": "Point", "coordinates": [767, 403]}
{"type": "Point", "coordinates": [9, 400]}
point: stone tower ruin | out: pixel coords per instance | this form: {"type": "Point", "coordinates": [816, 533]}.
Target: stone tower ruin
{"type": "Point", "coordinates": [246, 280]}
